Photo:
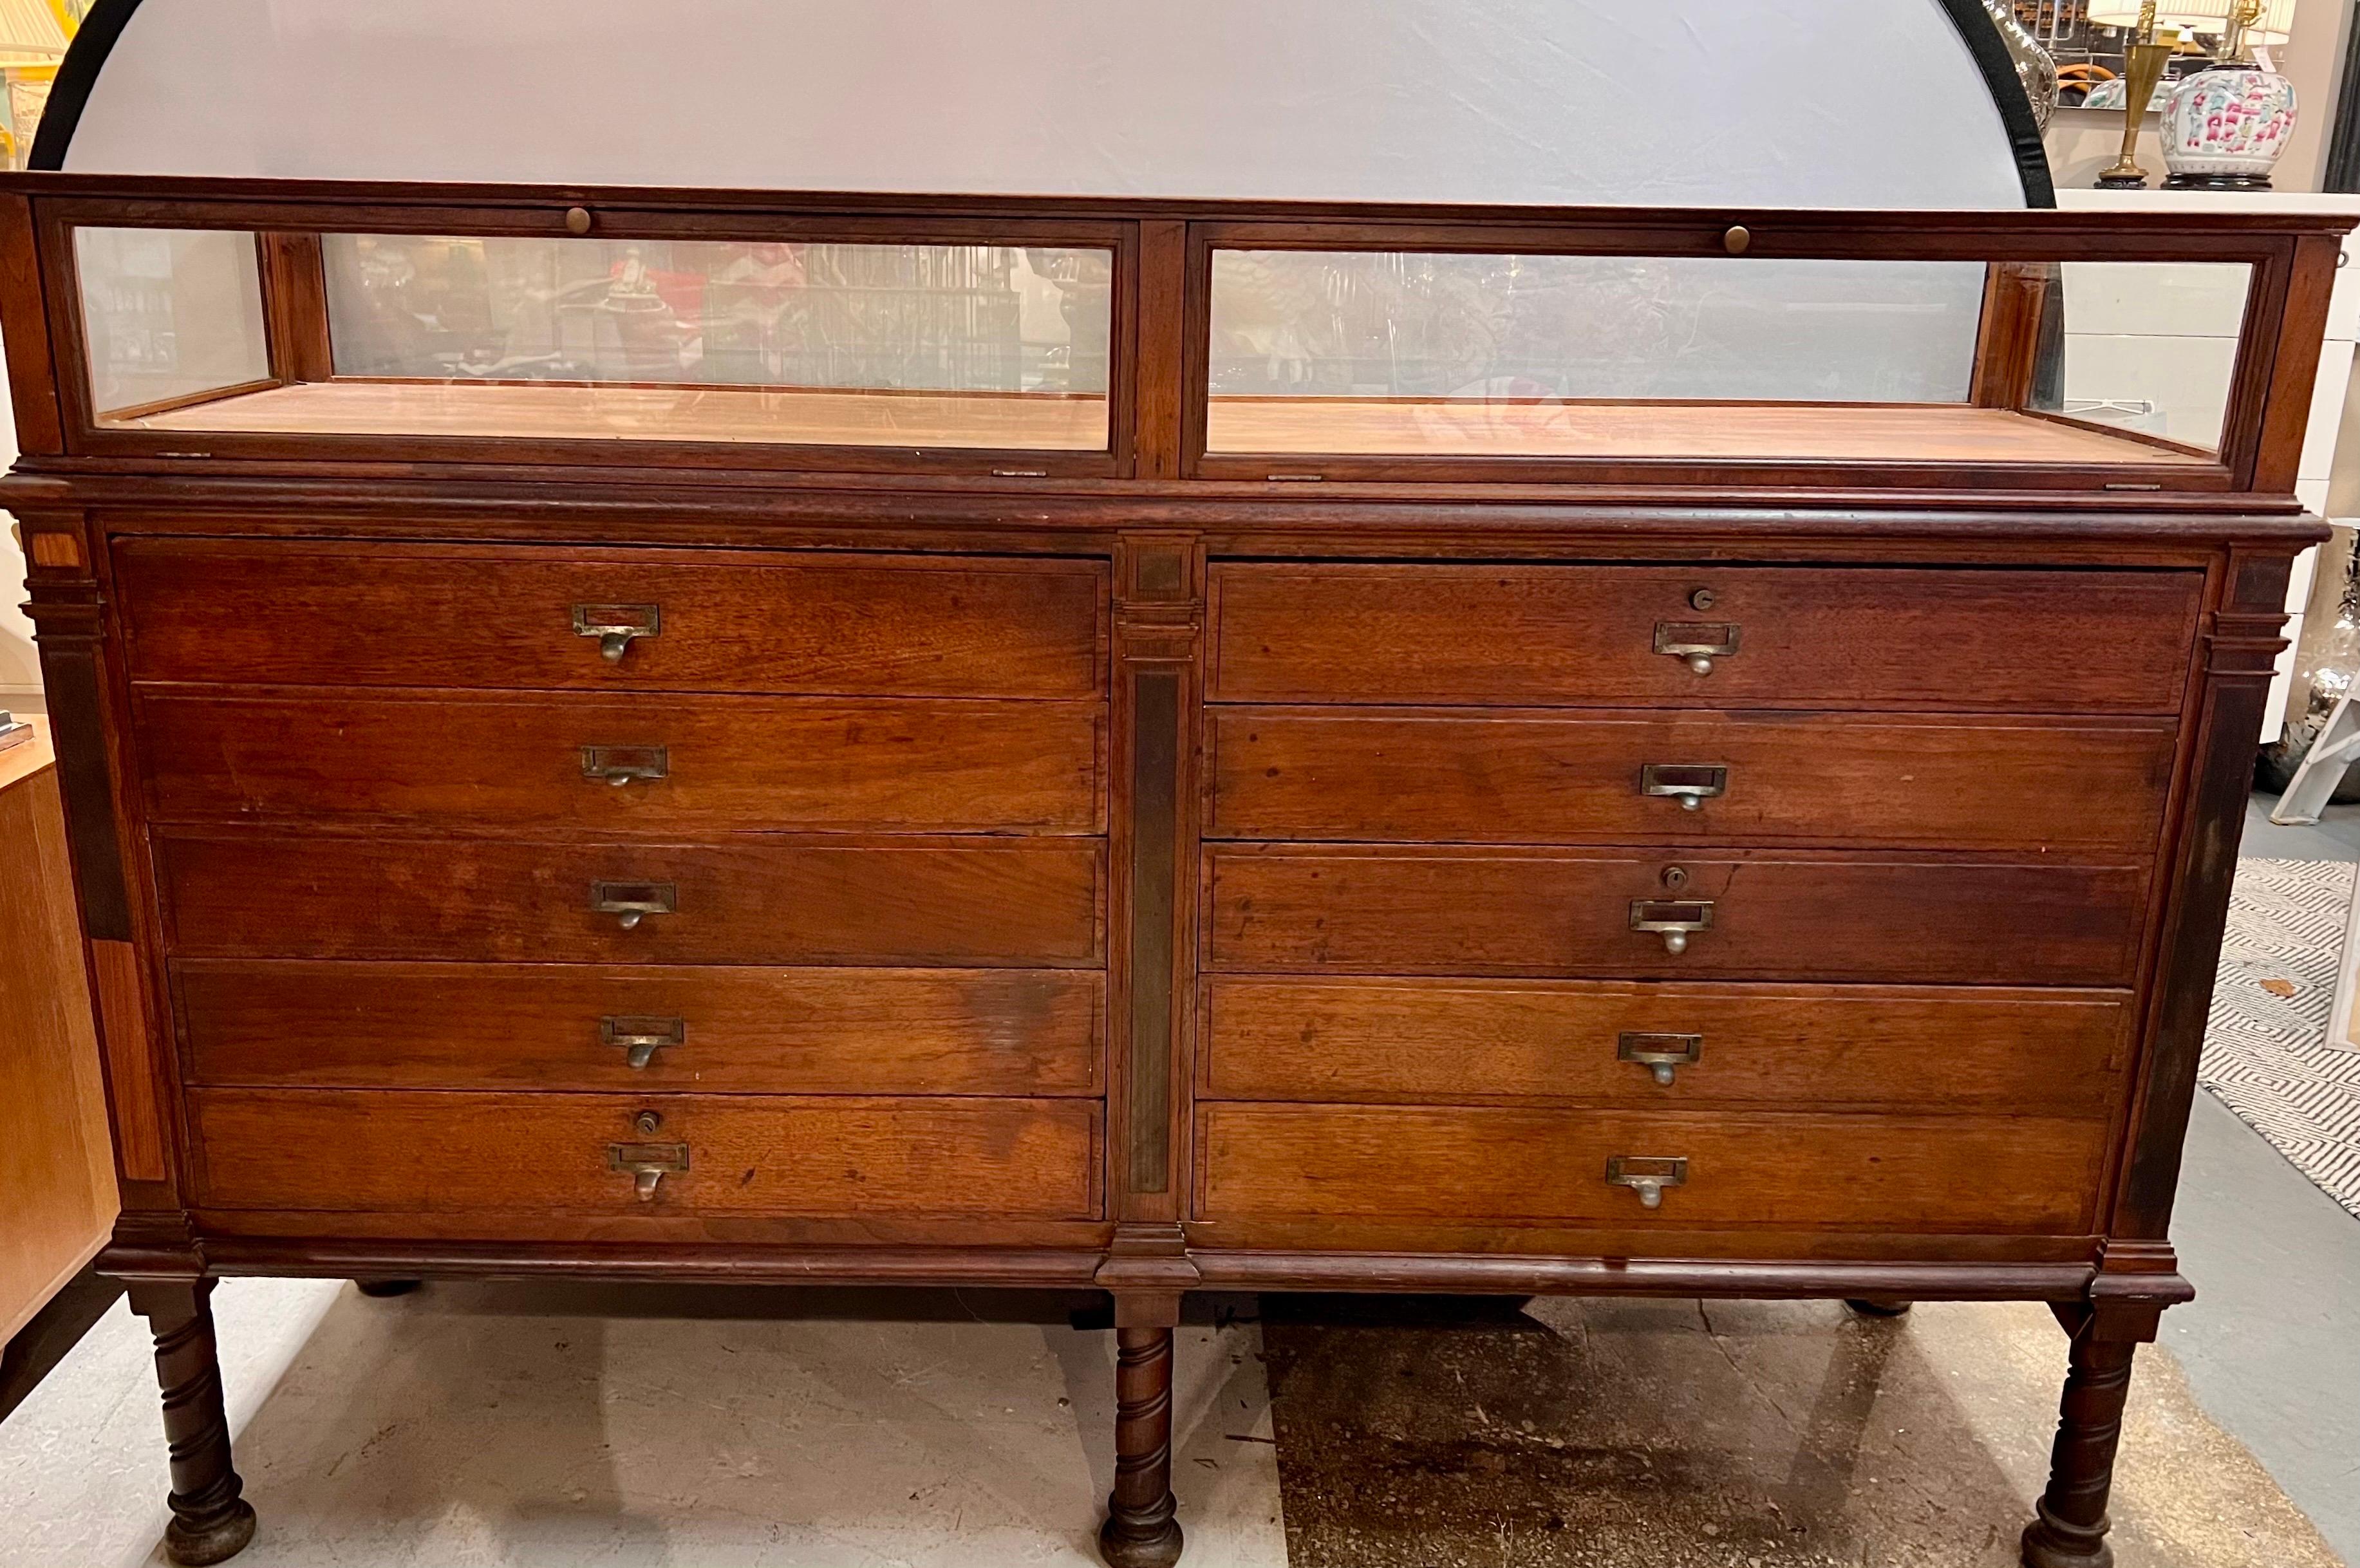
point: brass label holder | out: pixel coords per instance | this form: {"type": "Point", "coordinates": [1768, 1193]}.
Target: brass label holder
{"type": "Point", "coordinates": [1647, 1175]}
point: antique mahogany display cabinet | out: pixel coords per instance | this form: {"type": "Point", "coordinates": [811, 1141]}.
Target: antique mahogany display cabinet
{"type": "Point", "coordinates": [1144, 745]}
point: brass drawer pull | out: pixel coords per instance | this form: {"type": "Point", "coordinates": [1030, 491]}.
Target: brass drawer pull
{"type": "Point", "coordinates": [1673, 920]}
{"type": "Point", "coordinates": [634, 901]}
{"type": "Point", "coordinates": [642, 1038]}
{"type": "Point", "coordinates": [1661, 1054]}
{"type": "Point", "coordinates": [1647, 1177]}
{"type": "Point", "coordinates": [648, 1164]}
{"type": "Point", "coordinates": [1699, 642]}
{"type": "Point", "coordinates": [621, 765]}
{"type": "Point", "coordinates": [617, 627]}
{"type": "Point", "coordinates": [1691, 785]}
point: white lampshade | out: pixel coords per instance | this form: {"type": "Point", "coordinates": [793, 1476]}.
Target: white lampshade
{"type": "Point", "coordinates": [2275, 28]}
{"type": "Point", "coordinates": [36, 32]}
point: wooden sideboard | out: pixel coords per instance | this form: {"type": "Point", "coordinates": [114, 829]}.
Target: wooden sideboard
{"type": "Point", "coordinates": [603, 797]}
{"type": "Point", "coordinates": [57, 1176]}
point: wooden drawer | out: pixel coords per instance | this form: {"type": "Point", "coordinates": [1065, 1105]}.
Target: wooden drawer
{"type": "Point", "coordinates": [558, 1026]}
{"type": "Point", "coordinates": [1796, 1047]}
{"type": "Point", "coordinates": [726, 763]}
{"type": "Point", "coordinates": [1775, 916]}
{"type": "Point", "coordinates": [1025, 903]}
{"type": "Point", "coordinates": [306, 615]}
{"type": "Point", "coordinates": [348, 1150]}
{"type": "Point", "coordinates": [1973, 1175]}
{"type": "Point", "coordinates": [1461, 776]}
{"type": "Point", "coordinates": [1806, 637]}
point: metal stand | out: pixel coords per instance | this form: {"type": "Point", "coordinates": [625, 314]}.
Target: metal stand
{"type": "Point", "coordinates": [2315, 782]}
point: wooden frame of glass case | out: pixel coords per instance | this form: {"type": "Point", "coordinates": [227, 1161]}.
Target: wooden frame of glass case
{"type": "Point", "coordinates": [1160, 320]}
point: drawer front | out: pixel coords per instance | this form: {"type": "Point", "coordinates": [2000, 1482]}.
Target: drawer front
{"type": "Point", "coordinates": [340, 1150]}
{"type": "Point", "coordinates": [296, 1024]}
{"type": "Point", "coordinates": [1530, 778]}
{"type": "Point", "coordinates": [1027, 903]}
{"type": "Point", "coordinates": [1962, 1174]}
{"type": "Point", "coordinates": [1819, 636]}
{"type": "Point", "coordinates": [1666, 1047]}
{"type": "Point", "coordinates": [1895, 917]}
{"type": "Point", "coordinates": [627, 764]}
{"type": "Point", "coordinates": [278, 614]}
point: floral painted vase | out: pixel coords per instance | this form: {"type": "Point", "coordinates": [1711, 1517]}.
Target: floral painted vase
{"type": "Point", "coordinates": [2227, 128]}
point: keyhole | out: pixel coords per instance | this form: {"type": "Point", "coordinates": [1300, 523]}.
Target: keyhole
{"type": "Point", "coordinates": [1674, 877]}
{"type": "Point", "coordinates": [647, 1123]}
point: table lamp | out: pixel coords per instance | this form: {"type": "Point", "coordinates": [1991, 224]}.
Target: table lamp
{"type": "Point", "coordinates": [2143, 58]}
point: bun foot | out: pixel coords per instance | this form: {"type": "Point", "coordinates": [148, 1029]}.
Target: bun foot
{"type": "Point", "coordinates": [1141, 1542]}
{"type": "Point", "coordinates": [193, 1543]}
{"type": "Point", "coordinates": [1880, 1306]}
{"type": "Point", "coordinates": [385, 1288]}
{"type": "Point", "coordinates": [2050, 1543]}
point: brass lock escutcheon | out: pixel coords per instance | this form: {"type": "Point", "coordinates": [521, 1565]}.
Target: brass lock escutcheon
{"type": "Point", "coordinates": [1675, 919]}
{"type": "Point", "coordinates": [632, 902]}
{"type": "Point", "coordinates": [622, 765]}
{"type": "Point", "coordinates": [1661, 1054]}
{"type": "Point", "coordinates": [1647, 1176]}
{"type": "Point", "coordinates": [1697, 642]}
{"type": "Point", "coordinates": [648, 1164]}
{"type": "Point", "coordinates": [640, 1039]}
{"type": "Point", "coordinates": [617, 627]}
{"type": "Point", "coordinates": [1691, 784]}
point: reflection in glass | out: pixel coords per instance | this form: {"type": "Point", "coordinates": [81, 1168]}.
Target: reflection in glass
{"type": "Point", "coordinates": [169, 314]}
{"type": "Point", "coordinates": [2146, 347]}
{"type": "Point", "coordinates": [1360, 324]}
{"type": "Point", "coordinates": [1720, 358]}
{"type": "Point", "coordinates": [722, 313]}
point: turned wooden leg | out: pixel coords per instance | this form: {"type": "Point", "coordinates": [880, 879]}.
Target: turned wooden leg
{"type": "Point", "coordinates": [211, 1523]}
{"type": "Point", "coordinates": [1880, 1306]}
{"type": "Point", "coordinates": [2070, 1532]}
{"type": "Point", "coordinates": [1140, 1531]}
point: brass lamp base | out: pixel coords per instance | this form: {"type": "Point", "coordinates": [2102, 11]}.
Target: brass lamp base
{"type": "Point", "coordinates": [2123, 178]}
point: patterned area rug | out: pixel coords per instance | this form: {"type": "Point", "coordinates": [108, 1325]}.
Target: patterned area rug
{"type": "Point", "coordinates": [2266, 1050]}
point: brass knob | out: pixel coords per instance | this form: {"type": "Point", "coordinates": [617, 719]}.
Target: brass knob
{"type": "Point", "coordinates": [1675, 942]}
{"type": "Point", "coordinates": [1739, 240]}
{"type": "Point", "coordinates": [646, 1183]}
{"type": "Point", "coordinates": [577, 220]}
{"type": "Point", "coordinates": [1699, 663]}
{"type": "Point", "coordinates": [1663, 1073]}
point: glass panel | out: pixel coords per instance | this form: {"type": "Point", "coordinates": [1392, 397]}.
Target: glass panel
{"type": "Point", "coordinates": [169, 314]}
{"type": "Point", "coordinates": [870, 344]}
{"type": "Point", "coordinates": [1718, 358]}
{"type": "Point", "coordinates": [2149, 347]}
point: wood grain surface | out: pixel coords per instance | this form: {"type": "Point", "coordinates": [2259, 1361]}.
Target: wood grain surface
{"type": "Point", "coordinates": [788, 623]}
{"type": "Point", "coordinates": [1977, 1049]}
{"type": "Point", "coordinates": [1789, 916]}
{"type": "Point", "coordinates": [529, 409]}
{"type": "Point", "coordinates": [1986, 1176]}
{"type": "Point", "coordinates": [732, 764]}
{"type": "Point", "coordinates": [1773, 433]}
{"type": "Point", "coordinates": [931, 902]}
{"type": "Point", "coordinates": [282, 1023]}
{"type": "Point", "coordinates": [57, 1164]}
{"type": "Point", "coordinates": [1835, 637]}
{"type": "Point", "coordinates": [1471, 775]}
{"type": "Point", "coordinates": [337, 1150]}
